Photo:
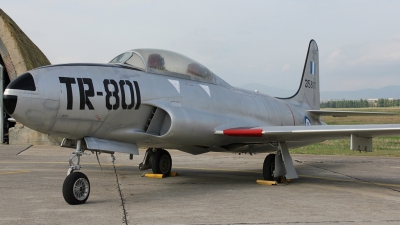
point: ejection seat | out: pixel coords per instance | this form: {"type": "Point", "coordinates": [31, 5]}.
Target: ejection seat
{"type": "Point", "coordinates": [155, 61]}
{"type": "Point", "coordinates": [198, 70]}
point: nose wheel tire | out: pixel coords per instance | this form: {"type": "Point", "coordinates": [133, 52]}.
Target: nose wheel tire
{"type": "Point", "coordinates": [162, 162]}
{"type": "Point", "coordinates": [269, 167]}
{"type": "Point", "coordinates": [76, 188]}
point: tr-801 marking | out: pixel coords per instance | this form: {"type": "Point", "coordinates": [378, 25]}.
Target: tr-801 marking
{"type": "Point", "coordinates": [310, 84]}
{"type": "Point", "coordinates": [116, 93]}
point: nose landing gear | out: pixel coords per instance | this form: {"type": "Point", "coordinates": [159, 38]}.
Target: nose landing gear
{"type": "Point", "coordinates": [76, 186]}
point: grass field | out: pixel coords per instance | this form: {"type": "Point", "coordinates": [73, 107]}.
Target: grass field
{"type": "Point", "coordinates": [382, 146]}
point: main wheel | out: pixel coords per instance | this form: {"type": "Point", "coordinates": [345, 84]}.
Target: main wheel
{"type": "Point", "coordinates": [269, 167]}
{"type": "Point", "coordinates": [162, 162]}
{"type": "Point", "coordinates": [76, 188]}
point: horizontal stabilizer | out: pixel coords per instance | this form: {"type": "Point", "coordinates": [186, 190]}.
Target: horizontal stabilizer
{"type": "Point", "coordinates": [348, 113]}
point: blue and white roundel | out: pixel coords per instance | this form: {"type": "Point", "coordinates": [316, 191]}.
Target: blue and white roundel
{"type": "Point", "coordinates": [307, 121]}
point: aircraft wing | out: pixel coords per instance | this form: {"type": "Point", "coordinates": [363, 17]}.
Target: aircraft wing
{"type": "Point", "coordinates": [348, 113]}
{"type": "Point", "coordinates": [305, 133]}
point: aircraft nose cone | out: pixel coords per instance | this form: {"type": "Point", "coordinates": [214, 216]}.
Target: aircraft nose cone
{"type": "Point", "coordinates": [32, 103]}
{"type": "Point", "coordinates": [23, 82]}
{"type": "Point", "coordinates": [10, 102]}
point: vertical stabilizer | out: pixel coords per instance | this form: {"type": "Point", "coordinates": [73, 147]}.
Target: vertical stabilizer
{"type": "Point", "coordinates": [308, 92]}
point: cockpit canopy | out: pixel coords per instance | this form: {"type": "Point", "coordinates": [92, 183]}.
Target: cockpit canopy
{"type": "Point", "coordinates": [165, 63]}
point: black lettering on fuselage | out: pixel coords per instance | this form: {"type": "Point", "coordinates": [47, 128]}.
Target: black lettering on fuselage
{"type": "Point", "coordinates": [110, 94]}
{"type": "Point", "coordinates": [85, 94]}
{"type": "Point", "coordinates": [138, 94]}
{"type": "Point", "coordinates": [112, 89]}
{"type": "Point", "coordinates": [122, 83]}
{"type": "Point", "coordinates": [68, 81]}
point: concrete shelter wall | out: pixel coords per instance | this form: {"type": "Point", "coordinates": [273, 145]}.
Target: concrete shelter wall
{"type": "Point", "coordinates": [19, 55]}
{"type": "Point", "coordinates": [24, 54]}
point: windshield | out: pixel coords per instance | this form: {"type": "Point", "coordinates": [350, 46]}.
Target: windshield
{"type": "Point", "coordinates": [130, 58]}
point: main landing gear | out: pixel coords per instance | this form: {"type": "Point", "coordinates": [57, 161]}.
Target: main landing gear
{"type": "Point", "coordinates": [269, 167]}
{"type": "Point", "coordinates": [76, 187]}
{"type": "Point", "coordinates": [279, 165]}
{"type": "Point", "coordinates": [158, 159]}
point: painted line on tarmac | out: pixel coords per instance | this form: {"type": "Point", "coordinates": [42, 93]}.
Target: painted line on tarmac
{"type": "Point", "coordinates": [301, 176]}
{"type": "Point", "coordinates": [14, 172]}
{"type": "Point", "coordinates": [25, 149]}
{"type": "Point", "coordinates": [7, 162]}
{"type": "Point", "coordinates": [343, 180]}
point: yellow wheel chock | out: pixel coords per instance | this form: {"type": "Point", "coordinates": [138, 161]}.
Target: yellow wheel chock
{"type": "Point", "coordinates": [153, 175]}
{"type": "Point", "coordinates": [270, 182]}
{"type": "Point", "coordinates": [266, 182]}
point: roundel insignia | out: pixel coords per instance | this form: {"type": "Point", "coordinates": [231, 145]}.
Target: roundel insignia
{"type": "Point", "coordinates": [307, 121]}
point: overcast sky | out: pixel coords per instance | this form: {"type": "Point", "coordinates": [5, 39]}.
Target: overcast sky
{"type": "Point", "coordinates": [241, 41]}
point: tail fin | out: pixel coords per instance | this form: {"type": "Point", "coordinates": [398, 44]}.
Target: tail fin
{"type": "Point", "coordinates": [308, 92]}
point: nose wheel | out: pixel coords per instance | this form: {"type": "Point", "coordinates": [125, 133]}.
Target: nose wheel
{"type": "Point", "coordinates": [76, 188]}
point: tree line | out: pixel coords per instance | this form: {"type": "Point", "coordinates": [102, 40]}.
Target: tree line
{"type": "Point", "coordinates": [362, 103]}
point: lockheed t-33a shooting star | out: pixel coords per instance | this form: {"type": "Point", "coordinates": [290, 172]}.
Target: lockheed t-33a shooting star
{"type": "Point", "coordinates": [163, 100]}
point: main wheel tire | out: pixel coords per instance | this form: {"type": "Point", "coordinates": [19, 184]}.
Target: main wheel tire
{"type": "Point", "coordinates": [162, 162]}
{"type": "Point", "coordinates": [269, 167]}
{"type": "Point", "coordinates": [76, 188]}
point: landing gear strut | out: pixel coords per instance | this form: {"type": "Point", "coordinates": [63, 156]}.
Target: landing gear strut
{"type": "Point", "coordinates": [279, 165]}
{"type": "Point", "coordinates": [76, 187]}
{"type": "Point", "coordinates": [159, 160]}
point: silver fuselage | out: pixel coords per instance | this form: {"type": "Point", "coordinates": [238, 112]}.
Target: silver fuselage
{"type": "Point", "coordinates": [151, 110]}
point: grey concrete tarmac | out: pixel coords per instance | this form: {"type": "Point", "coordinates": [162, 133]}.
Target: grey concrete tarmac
{"type": "Point", "coordinates": [214, 188]}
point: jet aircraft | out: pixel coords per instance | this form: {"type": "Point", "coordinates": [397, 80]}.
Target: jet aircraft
{"type": "Point", "coordinates": [160, 100]}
